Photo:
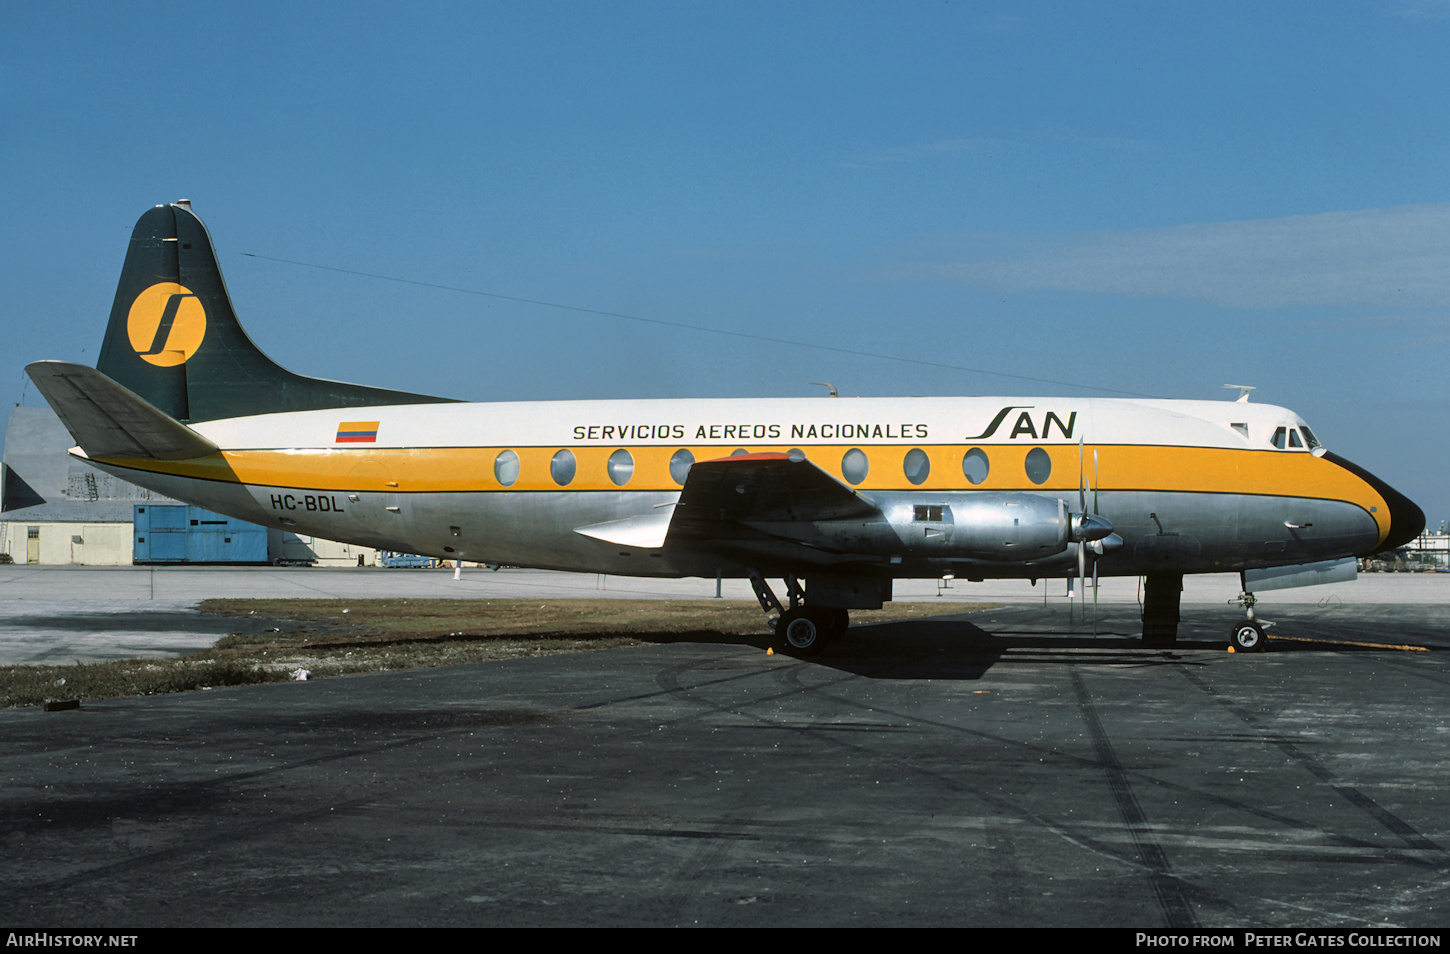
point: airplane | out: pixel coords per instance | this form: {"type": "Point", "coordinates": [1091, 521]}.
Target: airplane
{"type": "Point", "coordinates": [835, 497]}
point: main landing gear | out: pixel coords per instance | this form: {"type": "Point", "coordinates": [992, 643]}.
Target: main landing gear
{"type": "Point", "coordinates": [806, 629]}
{"type": "Point", "coordinates": [801, 630]}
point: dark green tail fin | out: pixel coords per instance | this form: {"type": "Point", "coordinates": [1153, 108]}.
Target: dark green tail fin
{"type": "Point", "coordinates": [175, 340]}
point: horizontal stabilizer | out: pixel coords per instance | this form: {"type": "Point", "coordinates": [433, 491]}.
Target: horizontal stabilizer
{"type": "Point", "coordinates": [108, 420]}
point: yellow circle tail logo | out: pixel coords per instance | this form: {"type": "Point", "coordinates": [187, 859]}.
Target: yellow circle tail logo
{"type": "Point", "coordinates": [166, 324]}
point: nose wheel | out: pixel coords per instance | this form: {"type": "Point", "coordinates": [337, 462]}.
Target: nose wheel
{"type": "Point", "coordinates": [1249, 635]}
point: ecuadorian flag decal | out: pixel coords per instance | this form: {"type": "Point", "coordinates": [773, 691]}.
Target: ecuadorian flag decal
{"type": "Point", "coordinates": [357, 432]}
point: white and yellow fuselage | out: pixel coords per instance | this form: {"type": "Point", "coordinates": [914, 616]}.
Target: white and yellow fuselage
{"type": "Point", "coordinates": [1188, 486]}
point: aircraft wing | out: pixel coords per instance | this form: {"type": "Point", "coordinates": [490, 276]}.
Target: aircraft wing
{"type": "Point", "coordinates": [772, 494]}
{"type": "Point", "coordinates": [764, 489]}
{"type": "Point", "coordinates": [108, 420]}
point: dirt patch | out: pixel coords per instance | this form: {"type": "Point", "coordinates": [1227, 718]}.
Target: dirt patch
{"type": "Point", "coordinates": [334, 637]}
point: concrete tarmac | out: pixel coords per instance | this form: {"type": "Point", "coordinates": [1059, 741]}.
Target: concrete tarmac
{"type": "Point", "coordinates": [191, 583]}
{"type": "Point", "coordinates": [997, 768]}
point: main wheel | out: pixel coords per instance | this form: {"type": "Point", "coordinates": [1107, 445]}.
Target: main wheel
{"type": "Point", "coordinates": [803, 631]}
{"type": "Point", "coordinates": [1248, 637]}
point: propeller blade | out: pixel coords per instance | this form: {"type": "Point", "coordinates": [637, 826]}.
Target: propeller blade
{"type": "Point", "coordinates": [1097, 484]}
{"type": "Point", "coordinates": [1082, 574]}
{"type": "Point", "coordinates": [1081, 487]}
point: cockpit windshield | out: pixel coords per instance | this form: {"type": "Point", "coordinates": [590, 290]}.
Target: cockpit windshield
{"type": "Point", "coordinates": [1287, 438]}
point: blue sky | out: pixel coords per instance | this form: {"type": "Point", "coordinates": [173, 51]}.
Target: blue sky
{"type": "Point", "coordinates": [1154, 198]}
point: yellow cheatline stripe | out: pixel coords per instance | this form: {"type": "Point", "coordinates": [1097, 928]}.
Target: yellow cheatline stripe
{"type": "Point", "coordinates": [471, 469]}
{"type": "Point", "coordinates": [1402, 647]}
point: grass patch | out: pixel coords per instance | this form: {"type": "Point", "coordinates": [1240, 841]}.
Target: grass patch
{"type": "Point", "coordinates": [33, 685]}
{"type": "Point", "coordinates": [335, 637]}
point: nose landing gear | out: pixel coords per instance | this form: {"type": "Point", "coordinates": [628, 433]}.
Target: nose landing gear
{"type": "Point", "coordinates": [1249, 636]}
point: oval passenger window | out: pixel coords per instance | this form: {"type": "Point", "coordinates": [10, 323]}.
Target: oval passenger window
{"type": "Point", "coordinates": [1039, 465]}
{"type": "Point", "coordinates": [621, 467]}
{"type": "Point", "coordinates": [506, 468]}
{"type": "Point", "coordinates": [975, 465]}
{"type": "Point", "coordinates": [916, 466]}
{"type": "Point", "coordinates": [855, 465]}
{"type": "Point", "coordinates": [562, 467]}
{"type": "Point", "coordinates": [680, 465]}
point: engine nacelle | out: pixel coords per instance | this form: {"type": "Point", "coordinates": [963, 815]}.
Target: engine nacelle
{"type": "Point", "coordinates": [996, 527]}
{"type": "Point", "coordinates": [1003, 527]}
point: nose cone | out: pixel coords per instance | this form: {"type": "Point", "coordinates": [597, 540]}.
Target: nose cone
{"type": "Point", "coordinates": [1089, 526]}
{"type": "Point", "coordinates": [1407, 521]}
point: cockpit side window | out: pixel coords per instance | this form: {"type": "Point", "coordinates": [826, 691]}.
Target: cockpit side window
{"type": "Point", "coordinates": [1279, 438]}
{"type": "Point", "coordinates": [1294, 438]}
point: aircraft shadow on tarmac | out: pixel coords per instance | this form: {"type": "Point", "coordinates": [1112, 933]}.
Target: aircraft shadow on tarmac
{"type": "Point", "coordinates": [956, 648]}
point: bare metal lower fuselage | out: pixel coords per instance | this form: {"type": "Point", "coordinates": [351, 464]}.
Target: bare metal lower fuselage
{"type": "Point", "coordinates": [1161, 532]}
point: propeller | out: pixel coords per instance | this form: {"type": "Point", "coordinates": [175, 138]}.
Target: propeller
{"type": "Point", "coordinates": [1097, 484]}
{"type": "Point", "coordinates": [1082, 543]}
{"type": "Point", "coordinates": [1091, 530]}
